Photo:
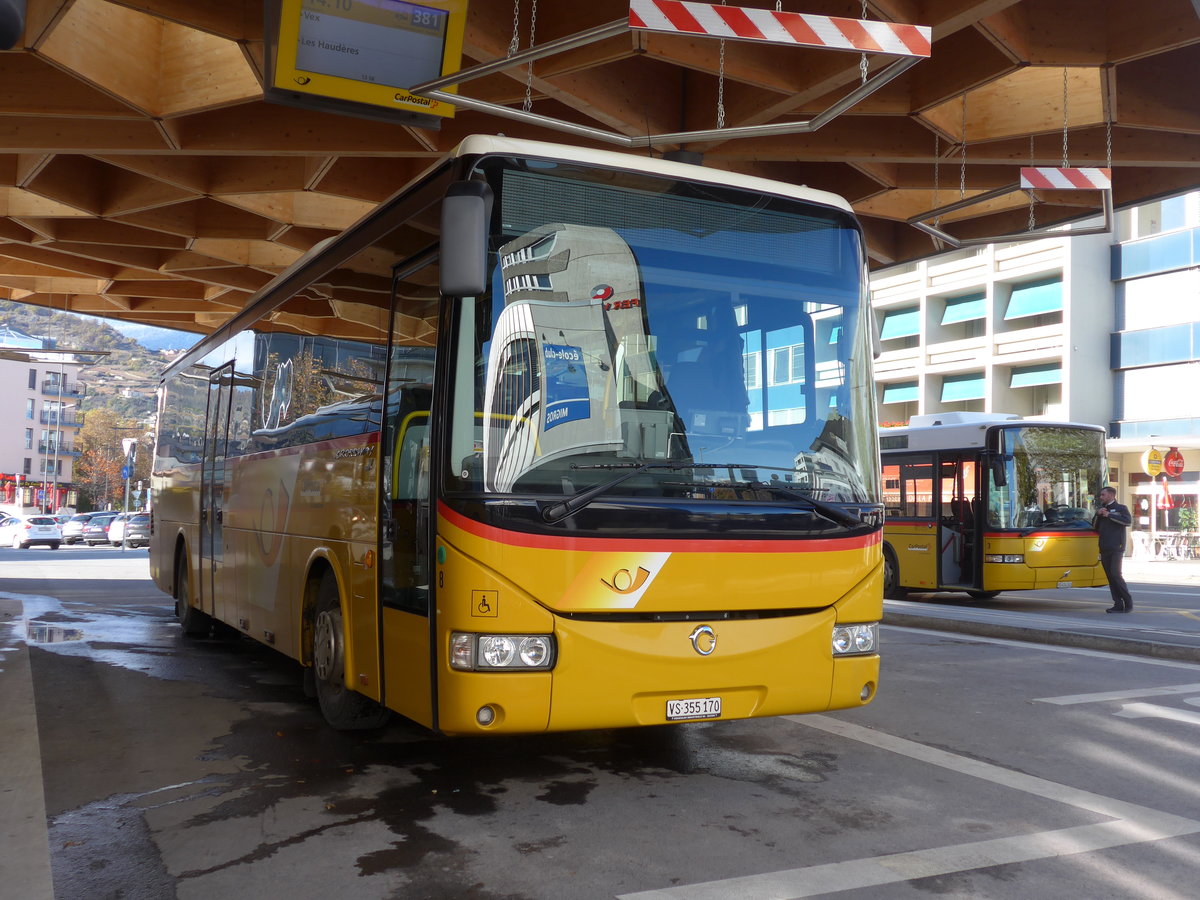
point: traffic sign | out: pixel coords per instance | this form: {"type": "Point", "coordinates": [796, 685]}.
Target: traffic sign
{"type": "Point", "coordinates": [124, 472]}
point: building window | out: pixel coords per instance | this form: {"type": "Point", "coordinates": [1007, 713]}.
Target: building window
{"type": "Point", "coordinates": [28, 468]}
{"type": "Point", "coordinates": [29, 409]}
{"type": "Point", "coordinates": [787, 365]}
{"type": "Point", "coordinates": [750, 364]}
{"type": "Point", "coordinates": [32, 379]}
{"type": "Point", "coordinates": [28, 438]}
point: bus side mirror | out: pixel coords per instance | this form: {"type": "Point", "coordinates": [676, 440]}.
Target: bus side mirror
{"type": "Point", "coordinates": [466, 219]}
{"type": "Point", "coordinates": [999, 475]}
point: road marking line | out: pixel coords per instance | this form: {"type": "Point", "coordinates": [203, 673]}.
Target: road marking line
{"type": "Point", "coordinates": [1075, 699]}
{"type": "Point", "coordinates": [1152, 711]}
{"type": "Point", "coordinates": [1132, 824]}
{"type": "Point", "coordinates": [1046, 648]}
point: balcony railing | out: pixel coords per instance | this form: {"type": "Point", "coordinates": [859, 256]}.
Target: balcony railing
{"type": "Point", "coordinates": [50, 448]}
{"type": "Point", "coordinates": [68, 388]}
{"type": "Point", "coordinates": [50, 417]}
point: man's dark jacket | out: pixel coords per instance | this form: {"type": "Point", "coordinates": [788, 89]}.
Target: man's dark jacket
{"type": "Point", "coordinates": [1112, 527]}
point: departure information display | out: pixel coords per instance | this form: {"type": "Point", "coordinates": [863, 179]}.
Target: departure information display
{"type": "Point", "coordinates": [377, 41]}
{"type": "Point", "coordinates": [362, 57]}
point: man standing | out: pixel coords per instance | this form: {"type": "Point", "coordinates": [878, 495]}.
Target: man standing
{"type": "Point", "coordinates": [1111, 521]}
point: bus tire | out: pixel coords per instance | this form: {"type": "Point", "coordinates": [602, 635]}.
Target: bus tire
{"type": "Point", "coordinates": [343, 708]}
{"type": "Point", "coordinates": [194, 622]}
{"type": "Point", "coordinates": [982, 595]}
{"type": "Point", "coordinates": [892, 589]}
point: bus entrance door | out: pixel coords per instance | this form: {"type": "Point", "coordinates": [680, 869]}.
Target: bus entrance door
{"type": "Point", "coordinates": [958, 525]}
{"type": "Point", "coordinates": [213, 488]}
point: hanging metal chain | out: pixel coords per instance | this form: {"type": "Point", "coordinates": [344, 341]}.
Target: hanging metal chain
{"type": "Point", "coordinates": [1032, 216]}
{"type": "Point", "coordinates": [862, 57]}
{"type": "Point", "coordinates": [528, 104]}
{"type": "Point", "coordinates": [1108, 144]}
{"type": "Point", "coordinates": [937, 168]}
{"type": "Point", "coordinates": [515, 44]}
{"type": "Point", "coordinates": [962, 172]}
{"type": "Point", "coordinates": [1066, 164]}
{"type": "Point", "coordinates": [721, 85]}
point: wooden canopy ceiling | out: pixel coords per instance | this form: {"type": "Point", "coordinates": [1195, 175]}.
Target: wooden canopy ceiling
{"type": "Point", "coordinates": [143, 177]}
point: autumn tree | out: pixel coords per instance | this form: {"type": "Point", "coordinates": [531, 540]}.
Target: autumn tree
{"type": "Point", "coordinates": [98, 470]}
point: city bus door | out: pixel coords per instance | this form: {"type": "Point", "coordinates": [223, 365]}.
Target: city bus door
{"type": "Point", "coordinates": [213, 488]}
{"type": "Point", "coordinates": [958, 521]}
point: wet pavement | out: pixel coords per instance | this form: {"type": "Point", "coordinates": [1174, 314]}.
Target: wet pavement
{"type": "Point", "coordinates": [141, 764]}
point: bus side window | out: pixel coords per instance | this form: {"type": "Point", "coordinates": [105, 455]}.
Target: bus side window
{"type": "Point", "coordinates": [410, 479]}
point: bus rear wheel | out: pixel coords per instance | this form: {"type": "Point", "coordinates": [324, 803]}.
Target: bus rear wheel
{"type": "Point", "coordinates": [891, 576]}
{"type": "Point", "coordinates": [343, 708]}
{"type": "Point", "coordinates": [194, 622]}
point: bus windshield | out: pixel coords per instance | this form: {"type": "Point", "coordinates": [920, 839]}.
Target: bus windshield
{"type": "Point", "coordinates": [1053, 476]}
{"type": "Point", "coordinates": [635, 319]}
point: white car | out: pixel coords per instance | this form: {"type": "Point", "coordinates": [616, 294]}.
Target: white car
{"type": "Point", "coordinates": [22, 532]}
{"type": "Point", "coordinates": [116, 529]}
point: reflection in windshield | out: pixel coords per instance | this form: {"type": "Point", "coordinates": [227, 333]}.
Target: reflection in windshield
{"type": "Point", "coordinates": [628, 326]}
{"type": "Point", "coordinates": [1053, 475]}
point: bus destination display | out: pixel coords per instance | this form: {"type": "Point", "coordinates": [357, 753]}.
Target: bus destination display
{"type": "Point", "coordinates": [376, 41]}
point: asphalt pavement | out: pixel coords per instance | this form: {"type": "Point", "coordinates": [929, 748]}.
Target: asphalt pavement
{"type": "Point", "coordinates": [1165, 623]}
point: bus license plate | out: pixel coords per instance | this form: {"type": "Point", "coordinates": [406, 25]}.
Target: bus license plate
{"type": "Point", "coordinates": [699, 708]}
{"type": "Point", "coordinates": [1064, 584]}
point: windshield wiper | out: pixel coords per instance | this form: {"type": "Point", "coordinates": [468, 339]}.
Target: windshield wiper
{"type": "Point", "coordinates": [556, 512]}
{"type": "Point", "coordinates": [830, 511]}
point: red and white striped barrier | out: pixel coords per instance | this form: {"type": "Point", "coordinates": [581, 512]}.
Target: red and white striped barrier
{"type": "Point", "coordinates": [765, 25]}
{"type": "Point", "coordinates": [1047, 177]}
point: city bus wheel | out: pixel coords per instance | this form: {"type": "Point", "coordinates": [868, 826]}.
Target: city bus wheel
{"type": "Point", "coordinates": [891, 576]}
{"type": "Point", "coordinates": [343, 708]}
{"type": "Point", "coordinates": [982, 595]}
{"type": "Point", "coordinates": [194, 622]}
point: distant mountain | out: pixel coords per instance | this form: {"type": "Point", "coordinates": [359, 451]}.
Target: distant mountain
{"type": "Point", "coordinates": [124, 380]}
{"type": "Point", "coordinates": [153, 338]}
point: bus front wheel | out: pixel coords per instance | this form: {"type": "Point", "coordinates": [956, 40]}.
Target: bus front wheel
{"type": "Point", "coordinates": [343, 708]}
{"type": "Point", "coordinates": [891, 576]}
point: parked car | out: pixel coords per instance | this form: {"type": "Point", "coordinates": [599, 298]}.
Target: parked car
{"type": "Point", "coordinates": [96, 530]}
{"type": "Point", "coordinates": [116, 528]}
{"type": "Point", "coordinates": [21, 532]}
{"type": "Point", "coordinates": [72, 531]}
{"type": "Point", "coordinates": [137, 530]}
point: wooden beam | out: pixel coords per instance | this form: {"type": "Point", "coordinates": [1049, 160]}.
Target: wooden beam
{"type": "Point", "coordinates": [201, 71]}
{"type": "Point", "coordinates": [30, 85]}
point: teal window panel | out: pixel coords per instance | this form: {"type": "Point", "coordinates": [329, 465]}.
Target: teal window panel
{"type": "Point", "coordinates": [1035, 298]}
{"type": "Point", "coordinates": [900, 392]}
{"type": "Point", "coordinates": [901, 323]}
{"type": "Point", "coordinates": [1031, 376]}
{"type": "Point", "coordinates": [963, 387]}
{"type": "Point", "coordinates": [965, 309]}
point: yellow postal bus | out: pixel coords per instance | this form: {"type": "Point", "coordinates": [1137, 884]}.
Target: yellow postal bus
{"type": "Point", "coordinates": [986, 503]}
{"type": "Point", "coordinates": [552, 439]}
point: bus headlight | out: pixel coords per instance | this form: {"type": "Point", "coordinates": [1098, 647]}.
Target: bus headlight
{"type": "Point", "coordinates": [1004, 557]}
{"type": "Point", "coordinates": [855, 639]}
{"type": "Point", "coordinates": [507, 652]}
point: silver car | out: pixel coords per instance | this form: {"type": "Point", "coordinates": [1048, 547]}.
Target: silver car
{"type": "Point", "coordinates": [22, 532]}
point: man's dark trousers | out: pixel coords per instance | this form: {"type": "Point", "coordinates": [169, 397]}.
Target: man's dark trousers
{"type": "Point", "coordinates": [1111, 560]}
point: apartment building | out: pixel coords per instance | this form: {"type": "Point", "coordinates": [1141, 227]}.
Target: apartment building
{"type": "Point", "coordinates": [39, 397]}
{"type": "Point", "coordinates": [1016, 328]}
{"type": "Point", "coordinates": [1156, 360]}
{"type": "Point", "coordinates": [1103, 329]}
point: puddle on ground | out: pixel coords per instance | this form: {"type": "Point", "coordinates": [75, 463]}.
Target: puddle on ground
{"type": "Point", "coordinates": [41, 633]}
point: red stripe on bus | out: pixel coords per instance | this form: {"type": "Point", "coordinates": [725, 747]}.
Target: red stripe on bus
{"type": "Point", "coordinates": [669, 545]}
{"type": "Point", "coordinates": [1017, 534]}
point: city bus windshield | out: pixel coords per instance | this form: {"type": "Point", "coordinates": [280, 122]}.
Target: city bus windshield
{"type": "Point", "coordinates": [1052, 478]}
{"type": "Point", "coordinates": [636, 319]}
